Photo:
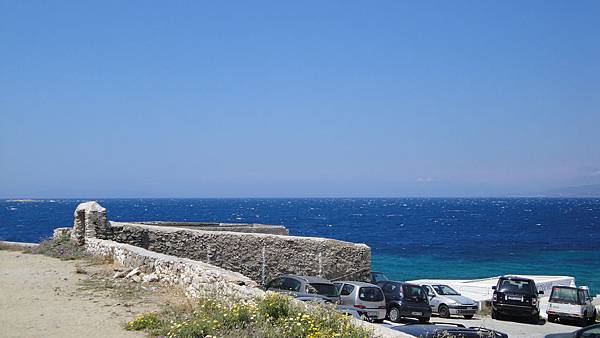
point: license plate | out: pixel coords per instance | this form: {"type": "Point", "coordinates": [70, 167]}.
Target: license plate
{"type": "Point", "coordinates": [520, 299]}
{"type": "Point", "coordinates": [416, 313]}
{"type": "Point", "coordinates": [372, 314]}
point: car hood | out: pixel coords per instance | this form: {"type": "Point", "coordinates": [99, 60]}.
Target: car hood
{"type": "Point", "coordinates": [461, 300]}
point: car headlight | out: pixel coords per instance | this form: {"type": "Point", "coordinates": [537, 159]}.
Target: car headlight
{"type": "Point", "coordinates": [452, 302]}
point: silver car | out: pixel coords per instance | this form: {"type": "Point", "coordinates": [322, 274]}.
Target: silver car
{"type": "Point", "coordinates": [446, 301]}
{"type": "Point", "coordinates": [367, 299]}
{"type": "Point", "coordinates": [305, 288]}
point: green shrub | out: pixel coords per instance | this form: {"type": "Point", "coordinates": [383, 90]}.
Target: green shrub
{"type": "Point", "coordinates": [273, 315]}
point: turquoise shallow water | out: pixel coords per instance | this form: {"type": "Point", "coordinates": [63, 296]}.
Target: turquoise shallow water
{"type": "Point", "coordinates": [410, 237]}
{"type": "Point", "coordinates": [581, 264]}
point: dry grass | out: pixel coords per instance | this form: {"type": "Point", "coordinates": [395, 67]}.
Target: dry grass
{"type": "Point", "coordinates": [11, 247]}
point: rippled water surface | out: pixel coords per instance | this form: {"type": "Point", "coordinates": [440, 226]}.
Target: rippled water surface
{"type": "Point", "coordinates": [410, 238]}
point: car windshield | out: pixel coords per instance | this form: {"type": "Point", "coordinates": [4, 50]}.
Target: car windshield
{"type": "Point", "coordinates": [328, 290]}
{"type": "Point", "coordinates": [564, 295]}
{"type": "Point", "coordinates": [370, 294]}
{"type": "Point", "coordinates": [445, 290]}
{"type": "Point", "coordinates": [515, 285]}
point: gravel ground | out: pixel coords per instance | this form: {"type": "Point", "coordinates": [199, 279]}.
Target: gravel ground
{"type": "Point", "coordinates": [514, 329]}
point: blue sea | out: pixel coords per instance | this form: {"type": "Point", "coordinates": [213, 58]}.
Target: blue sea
{"type": "Point", "coordinates": [410, 238]}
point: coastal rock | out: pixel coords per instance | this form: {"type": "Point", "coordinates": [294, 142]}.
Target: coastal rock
{"type": "Point", "coordinates": [120, 274]}
{"type": "Point", "coordinates": [136, 278]}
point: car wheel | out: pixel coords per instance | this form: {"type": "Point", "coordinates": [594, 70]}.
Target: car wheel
{"type": "Point", "coordinates": [443, 311]}
{"type": "Point", "coordinates": [495, 315]}
{"type": "Point", "coordinates": [394, 314]}
{"type": "Point", "coordinates": [535, 319]}
{"type": "Point", "coordinates": [424, 320]}
{"type": "Point", "coordinates": [584, 321]}
{"type": "Point", "coordinates": [468, 316]}
{"type": "Point", "coordinates": [593, 318]}
{"type": "Point", "coordinates": [551, 318]}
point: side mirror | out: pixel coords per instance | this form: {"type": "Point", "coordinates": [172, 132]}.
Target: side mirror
{"type": "Point", "coordinates": [541, 292]}
{"type": "Point", "coordinates": [494, 287]}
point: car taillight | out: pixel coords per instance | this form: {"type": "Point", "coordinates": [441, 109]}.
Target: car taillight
{"type": "Point", "coordinates": [534, 301]}
{"type": "Point", "coordinates": [360, 306]}
{"type": "Point", "coordinates": [495, 297]}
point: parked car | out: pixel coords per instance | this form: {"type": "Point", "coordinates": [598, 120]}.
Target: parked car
{"type": "Point", "coordinates": [378, 277]}
{"type": "Point", "coordinates": [571, 303]}
{"type": "Point", "coordinates": [365, 298]}
{"type": "Point", "coordinates": [305, 288]}
{"type": "Point", "coordinates": [405, 300]}
{"type": "Point", "coordinates": [446, 301]}
{"type": "Point", "coordinates": [448, 330]}
{"type": "Point", "coordinates": [592, 331]}
{"type": "Point", "coordinates": [516, 296]}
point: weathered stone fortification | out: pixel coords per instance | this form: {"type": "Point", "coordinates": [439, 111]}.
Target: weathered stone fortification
{"type": "Point", "coordinates": [259, 256]}
{"type": "Point", "coordinates": [196, 278]}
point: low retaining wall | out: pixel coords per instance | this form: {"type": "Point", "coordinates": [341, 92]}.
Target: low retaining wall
{"type": "Point", "coordinates": [258, 256]}
{"type": "Point", "coordinates": [197, 278]}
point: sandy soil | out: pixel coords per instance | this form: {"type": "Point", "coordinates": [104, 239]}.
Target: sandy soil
{"type": "Point", "coordinates": [45, 297]}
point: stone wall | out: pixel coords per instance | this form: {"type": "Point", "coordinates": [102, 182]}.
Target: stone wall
{"type": "Point", "coordinates": [196, 278]}
{"type": "Point", "coordinates": [258, 256]}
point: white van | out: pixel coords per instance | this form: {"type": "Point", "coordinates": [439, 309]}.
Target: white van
{"type": "Point", "coordinates": [571, 303]}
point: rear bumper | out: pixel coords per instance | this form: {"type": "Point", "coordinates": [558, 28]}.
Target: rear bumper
{"type": "Point", "coordinates": [415, 312]}
{"type": "Point", "coordinates": [463, 310]}
{"type": "Point", "coordinates": [515, 310]}
{"type": "Point", "coordinates": [564, 314]}
{"type": "Point", "coordinates": [373, 313]}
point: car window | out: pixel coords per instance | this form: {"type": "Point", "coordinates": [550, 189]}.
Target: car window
{"type": "Point", "coordinates": [389, 288]}
{"type": "Point", "coordinates": [347, 289]}
{"type": "Point", "coordinates": [414, 292]}
{"type": "Point", "coordinates": [379, 277]}
{"type": "Point", "coordinates": [593, 332]}
{"type": "Point", "coordinates": [291, 284]}
{"type": "Point", "coordinates": [582, 298]}
{"type": "Point", "coordinates": [370, 294]}
{"type": "Point", "coordinates": [276, 283]}
{"type": "Point", "coordinates": [515, 285]}
{"type": "Point", "coordinates": [445, 290]}
{"type": "Point", "coordinates": [323, 289]}
{"type": "Point", "coordinates": [429, 290]}
{"type": "Point", "coordinates": [338, 287]}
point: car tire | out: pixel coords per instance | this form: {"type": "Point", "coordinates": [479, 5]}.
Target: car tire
{"type": "Point", "coordinates": [468, 316]}
{"type": "Point", "coordinates": [444, 311]}
{"type": "Point", "coordinates": [394, 314]}
{"type": "Point", "coordinates": [583, 322]}
{"type": "Point", "coordinates": [495, 314]}
{"type": "Point", "coordinates": [424, 320]}
{"type": "Point", "coordinates": [551, 318]}
{"type": "Point", "coordinates": [535, 319]}
{"type": "Point", "coordinates": [593, 318]}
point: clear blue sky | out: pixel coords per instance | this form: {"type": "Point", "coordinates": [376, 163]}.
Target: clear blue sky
{"type": "Point", "coordinates": [297, 98]}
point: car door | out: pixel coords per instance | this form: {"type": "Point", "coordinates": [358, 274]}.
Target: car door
{"type": "Point", "coordinates": [346, 295]}
{"type": "Point", "coordinates": [390, 291]}
{"type": "Point", "coordinates": [434, 300]}
{"type": "Point", "coordinates": [589, 307]}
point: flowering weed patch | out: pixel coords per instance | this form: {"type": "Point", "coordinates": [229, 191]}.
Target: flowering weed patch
{"type": "Point", "coordinates": [273, 315]}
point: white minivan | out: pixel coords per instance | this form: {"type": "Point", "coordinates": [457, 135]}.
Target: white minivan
{"type": "Point", "coordinates": [571, 303]}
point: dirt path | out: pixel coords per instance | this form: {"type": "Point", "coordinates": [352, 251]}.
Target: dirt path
{"type": "Point", "coordinates": [45, 297]}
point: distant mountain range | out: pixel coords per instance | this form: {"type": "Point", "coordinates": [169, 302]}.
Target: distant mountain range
{"type": "Point", "coordinates": [592, 190]}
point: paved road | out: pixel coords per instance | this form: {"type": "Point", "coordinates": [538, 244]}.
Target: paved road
{"type": "Point", "coordinates": [514, 329]}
